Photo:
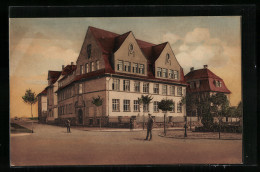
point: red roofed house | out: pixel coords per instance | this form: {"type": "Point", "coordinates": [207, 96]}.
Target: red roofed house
{"type": "Point", "coordinates": [119, 69]}
{"type": "Point", "coordinates": [42, 106]}
{"type": "Point", "coordinates": [203, 82]}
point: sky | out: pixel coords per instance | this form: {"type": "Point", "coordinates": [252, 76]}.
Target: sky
{"type": "Point", "coordinates": [37, 45]}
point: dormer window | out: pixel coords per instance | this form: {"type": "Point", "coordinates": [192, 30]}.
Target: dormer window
{"type": "Point", "coordinates": [89, 50]}
{"type": "Point", "coordinates": [217, 83]}
{"type": "Point", "coordinates": [127, 66]}
{"type": "Point", "coordinates": [164, 73]}
{"type": "Point", "coordinates": [159, 72]}
{"type": "Point", "coordinates": [141, 69]}
{"type": "Point", "coordinates": [176, 74]}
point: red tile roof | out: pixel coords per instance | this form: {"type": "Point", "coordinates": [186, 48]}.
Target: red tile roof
{"type": "Point", "coordinates": [206, 78]}
{"type": "Point", "coordinates": [44, 92]}
{"type": "Point", "coordinates": [110, 42]}
{"type": "Point", "coordinates": [53, 76]}
{"type": "Point", "coordinates": [69, 69]}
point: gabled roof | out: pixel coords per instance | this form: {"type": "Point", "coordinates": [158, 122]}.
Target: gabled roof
{"type": "Point", "coordinates": [68, 69]}
{"type": "Point", "coordinates": [201, 73]}
{"type": "Point", "coordinates": [53, 76]}
{"type": "Point", "coordinates": [44, 92]}
{"type": "Point", "coordinates": [207, 79]}
{"type": "Point", "coordinates": [110, 42]}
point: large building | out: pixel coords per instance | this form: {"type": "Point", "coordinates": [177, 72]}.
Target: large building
{"type": "Point", "coordinates": [203, 83]}
{"type": "Point", "coordinates": [119, 69]}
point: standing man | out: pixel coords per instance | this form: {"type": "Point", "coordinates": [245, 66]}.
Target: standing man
{"type": "Point", "coordinates": [68, 126]}
{"type": "Point", "coordinates": [149, 127]}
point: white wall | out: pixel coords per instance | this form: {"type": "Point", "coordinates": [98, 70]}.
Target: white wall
{"type": "Point", "coordinates": [134, 96]}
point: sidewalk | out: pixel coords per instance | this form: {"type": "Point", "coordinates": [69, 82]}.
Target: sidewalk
{"type": "Point", "coordinates": [105, 129]}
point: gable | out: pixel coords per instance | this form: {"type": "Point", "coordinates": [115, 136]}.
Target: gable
{"type": "Point", "coordinates": [94, 49]}
{"type": "Point", "coordinates": [130, 51]}
{"type": "Point", "coordinates": [162, 61]}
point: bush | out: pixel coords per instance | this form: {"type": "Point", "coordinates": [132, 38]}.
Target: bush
{"type": "Point", "coordinates": [223, 128]}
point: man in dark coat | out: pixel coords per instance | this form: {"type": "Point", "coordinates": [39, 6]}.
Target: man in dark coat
{"type": "Point", "coordinates": [149, 127]}
{"type": "Point", "coordinates": [68, 126]}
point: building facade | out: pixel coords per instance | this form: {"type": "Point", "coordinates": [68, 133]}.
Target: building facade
{"type": "Point", "coordinates": [42, 106]}
{"type": "Point", "coordinates": [203, 83]}
{"type": "Point", "coordinates": [52, 103]}
{"type": "Point", "coordinates": [118, 69]}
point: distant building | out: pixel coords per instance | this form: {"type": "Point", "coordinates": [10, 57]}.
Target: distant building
{"type": "Point", "coordinates": [119, 69]}
{"type": "Point", "coordinates": [203, 83]}
{"type": "Point", "coordinates": [42, 106]}
{"type": "Point", "coordinates": [52, 103]}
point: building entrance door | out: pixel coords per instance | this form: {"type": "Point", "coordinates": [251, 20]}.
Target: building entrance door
{"type": "Point", "coordinates": [80, 116]}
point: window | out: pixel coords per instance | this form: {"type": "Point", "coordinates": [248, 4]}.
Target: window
{"type": "Point", "coordinates": [120, 65]}
{"type": "Point", "coordinates": [127, 66]}
{"type": "Point", "coordinates": [135, 68]}
{"type": "Point", "coordinates": [89, 50]}
{"type": "Point", "coordinates": [164, 89]}
{"type": "Point", "coordinates": [126, 105]}
{"type": "Point", "coordinates": [115, 105]}
{"type": "Point", "coordinates": [179, 107]}
{"type": "Point", "coordinates": [92, 67]}
{"type": "Point", "coordinates": [137, 86]}
{"type": "Point", "coordinates": [146, 88]}
{"type": "Point", "coordinates": [81, 69]}
{"type": "Point", "coordinates": [159, 72]}
{"type": "Point", "coordinates": [164, 73]}
{"type": "Point", "coordinates": [126, 85]}
{"type": "Point", "coordinates": [173, 108]}
{"type": "Point", "coordinates": [172, 90]}
{"type": "Point", "coordinates": [155, 106]}
{"type": "Point", "coordinates": [116, 84]}
{"type": "Point", "coordinates": [141, 69]}
{"type": "Point", "coordinates": [156, 88]}
{"type": "Point", "coordinates": [176, 74]}
{"type": "Point", "coordinates": [136, 106]}
{"type": "Point", "coordinates": [170, 73]}
{"type": "Point", "coordinates": [97, 65]}
{"type": "Point", "coordinates": [197, 84]}
{"type": "Point", "coordinates": [146, 107]}
{"type": "Point", "coordinates": [192, 85]}
{"type": "Point", "coordinates": [179, 91]}
{"type": "Point", "coordinates": [80, 88]}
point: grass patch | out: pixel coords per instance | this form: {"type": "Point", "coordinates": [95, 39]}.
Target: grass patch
{"type": "Point", "coordinates": [15, 128]}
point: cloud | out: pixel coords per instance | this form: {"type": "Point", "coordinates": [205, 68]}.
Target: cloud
{"type": "Point", "coordinates": [171, 38]}
{"type": "Point", "coordinates": [197, 35]}
{"type": "Point", "coordinates": [200, 48]}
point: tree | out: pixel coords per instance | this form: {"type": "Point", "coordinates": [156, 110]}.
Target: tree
{"type": "Point", "coordinates": [203, 108]}
{"type": "Point", "coordinates": [239, 111]}
{"type": "Point", "coordinates": [30, 98]}
{"type": "Point", "coordinates": [97, 102]}
{"type": "Point", "coordinates": [145, 100]}
{"type": "Point", "coordinates": [165, 105]}
{"type": "Point", "coordinates": [220, 105]}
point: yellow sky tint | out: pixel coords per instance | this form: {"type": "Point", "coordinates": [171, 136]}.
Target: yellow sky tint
{"type": "Point", "coordinates": [38, 45]}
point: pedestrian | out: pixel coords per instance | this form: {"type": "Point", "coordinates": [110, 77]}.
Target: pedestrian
{"type": "Point", "coordinates": [149, 127]}
{"type": "Point", "coordinates": [131, 124]}
{"type": "Point", "coordinates": [68, 126]}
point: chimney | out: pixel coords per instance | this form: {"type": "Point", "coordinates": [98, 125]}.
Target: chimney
{"type": "Point", "coordinates": [62, 67]}
{"type": "Point", "coordinates": [205, 66]}
{"type": "Point", "coordinates": [192, 69]}
{"type": "Point", "coordinates": [71, 63]}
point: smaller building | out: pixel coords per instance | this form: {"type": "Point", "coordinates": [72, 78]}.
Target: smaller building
{"type": "Point", "coordinates": [42, 106]}
{"type": "Point", "coordinates": [52, 104]}
{"type": "Point", "coordinates": [203, 83]}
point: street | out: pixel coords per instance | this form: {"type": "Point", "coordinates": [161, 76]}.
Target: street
{"type": "Point", "coordinates": [52, 145]}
